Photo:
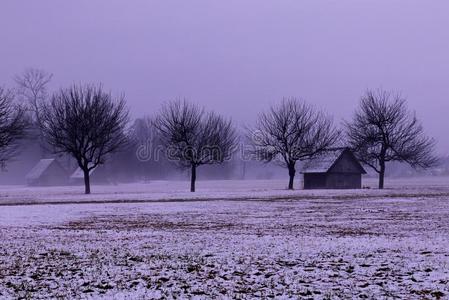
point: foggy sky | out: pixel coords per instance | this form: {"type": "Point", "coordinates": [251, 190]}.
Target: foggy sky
{"type": "Point", "coordinates": [238, 56]}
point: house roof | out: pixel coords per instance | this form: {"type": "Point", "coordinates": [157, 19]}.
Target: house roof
{"type": "Point", "coordinates": [323, 163]}
{"type": "Point", "coordinates": [79, 174]}
{"type": "Point", "coordinates": [39, 169]}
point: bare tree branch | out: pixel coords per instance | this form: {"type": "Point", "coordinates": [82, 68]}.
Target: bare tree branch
{"type": "Point", "coordinates": [193, 137]}
{"type": "Point", "coordinates": [383, 130]}
{"type": "Point", "coordinates": [86, 123]}
{"type": "Point", "coordinates": [12, 126]}
{"type": "Point", "coordinates": [290, 132]}
{"type": "Point", "coordinates": [33, 90]}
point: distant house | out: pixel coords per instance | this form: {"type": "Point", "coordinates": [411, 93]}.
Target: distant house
{"type": "Point", "coordinates": [98, 175]}
{"type": "Point", "coordinates": [336, 169]}
{"type": "Point", "coordinates": [47, 172]}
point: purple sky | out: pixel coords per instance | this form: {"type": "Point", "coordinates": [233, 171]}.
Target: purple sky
{"type": "Point", "coordinates": [238, 56]}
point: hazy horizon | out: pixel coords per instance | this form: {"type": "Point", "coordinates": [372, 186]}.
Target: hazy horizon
{"type": "Point", "coordinates": [238, 57]}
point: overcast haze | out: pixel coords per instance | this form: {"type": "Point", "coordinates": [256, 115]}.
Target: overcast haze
{"type": "Point", "coordinates": [237, 57]}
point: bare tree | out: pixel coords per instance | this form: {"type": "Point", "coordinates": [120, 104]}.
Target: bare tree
{"type": "Point", "coordinates": [145, 147]}
{"type": "Point", "coordinates": [383, 130]}
{"type": "Point", "coordinates": [86, 123]}
{"type": "Point", "coordinates": [12, 126]}
{"type": "Point", "coordinates": [143, 134]}
{"type": "Point", "coordinates": [193, 137]}
{"type": "Point", "coordinates": [291, 132]}
{"type": "Point", "coordinates": [33, 90]}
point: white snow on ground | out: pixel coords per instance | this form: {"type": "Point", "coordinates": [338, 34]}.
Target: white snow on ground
{"type": "Point", "coordinates": [281, 244]}
{"type": "Point", "coordinates": [210, 190]}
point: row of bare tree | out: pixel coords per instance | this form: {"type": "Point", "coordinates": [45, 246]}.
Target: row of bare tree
{"type": "Point", "coordinates": [89, 124]}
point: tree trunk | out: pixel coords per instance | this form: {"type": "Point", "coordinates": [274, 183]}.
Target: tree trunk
{"type": "Point", "coordinates": [291, 174]}
{"type": "Point", "coordinates": [382, 175]}
{"type": "Point", "coordinates": [193, 179]}
{"type": "Point", "coordinates": [86, 182]}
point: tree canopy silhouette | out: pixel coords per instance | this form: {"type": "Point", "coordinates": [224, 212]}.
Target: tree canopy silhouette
{"type": "Point", "coordinates": [384, 130]}
{"type": "Point", "coordinates": [12, 126]}
{"type": "Point", "coordinates": [193, 137]}
{"type": "Point", "coordinates": [86, 123]}
{"type": "Point", "coordinates": [292, 131]}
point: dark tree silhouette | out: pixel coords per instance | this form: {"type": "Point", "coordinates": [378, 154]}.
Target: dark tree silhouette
{"type": "Point", "coordinates": [291, 132]}
{"type": "Point", "coordinates": [12, 126]}
{"type": "Point", "coordinates": [193, 137]}
{"type": "Point", "coordinates": [383, 130]}
{"type": "Point", "coordinates": [86, 123]}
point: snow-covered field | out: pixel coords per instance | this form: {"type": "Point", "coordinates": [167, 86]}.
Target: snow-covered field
{"type": "Point", "coordinates": [213, 190]}
{"type": "Point", "coordinates": [232, 239]}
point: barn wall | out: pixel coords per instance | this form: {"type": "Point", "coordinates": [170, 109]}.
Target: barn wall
{"type": "Point", "coordinates": [54, 175]}
{"type": "Point", "coordinates": [102, 175]}
{"type": "Point", "coordinates": [343, 181]}
{"type": "Point", "coordinates": [314, 181]}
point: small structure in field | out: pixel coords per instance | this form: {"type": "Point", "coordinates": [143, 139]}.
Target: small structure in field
{"type": "Point", "coordinates": [47, 172]}
{"type": "Point", "coordinates": [336, 169]}
{"type": "Point", "coordinates": [97, 175]}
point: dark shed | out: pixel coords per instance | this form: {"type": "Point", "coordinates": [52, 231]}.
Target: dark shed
{"type": "Point", "coordinates": [336, 169]}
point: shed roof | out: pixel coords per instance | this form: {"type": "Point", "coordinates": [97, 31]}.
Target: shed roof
{"type": "Point", "coordinates": [79, 174]}
{"type": "Point", "coordinates": [321, 163]}
{"type": "Point", "coordinates": [39, 169]}
{"type": "Point", "coordinates": [324, 162]}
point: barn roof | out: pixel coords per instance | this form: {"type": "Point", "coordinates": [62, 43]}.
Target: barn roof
{"type": "Point", "coordinates": [79, 174]}
{"type": "Point", "coordinates": [323, 163]}
{"type": "Point", "coordinates": [39, 169]}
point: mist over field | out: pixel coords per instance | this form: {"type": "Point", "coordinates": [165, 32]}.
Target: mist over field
{"type": "Point", "coordinates": [238, 57]}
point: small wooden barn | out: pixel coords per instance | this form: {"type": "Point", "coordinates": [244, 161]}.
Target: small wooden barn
{"type": "Point", "coordinates": [335, 169]}
{"type": "Point", "coordinates": [47, 172]}
{"type": "Point", "coordinates": [98, 175]}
